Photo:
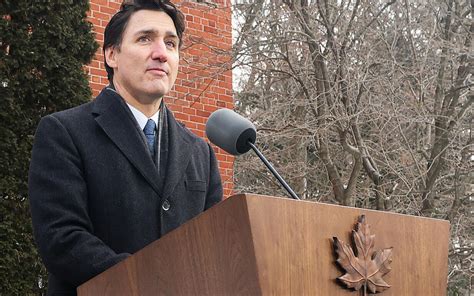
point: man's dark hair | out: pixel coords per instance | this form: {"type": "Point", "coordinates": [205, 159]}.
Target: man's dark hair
{"type": "Point", "coordinates": [114, 31]}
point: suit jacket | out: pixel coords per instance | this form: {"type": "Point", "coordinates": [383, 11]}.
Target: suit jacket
{"type": "Point", "coordinates": [96, 195]}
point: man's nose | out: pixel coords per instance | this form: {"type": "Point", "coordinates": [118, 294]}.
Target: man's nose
{"type": "Point", "coordinates": [159, 51]}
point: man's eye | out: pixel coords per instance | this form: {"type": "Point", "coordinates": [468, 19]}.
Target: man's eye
{"type": "Point", "coordinates": [143, 39]}
{"type": "Point", "coordinates": [171, 44]}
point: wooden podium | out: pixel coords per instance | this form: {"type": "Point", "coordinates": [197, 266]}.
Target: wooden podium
{"type": "Point", "coordinates": [260, 245]}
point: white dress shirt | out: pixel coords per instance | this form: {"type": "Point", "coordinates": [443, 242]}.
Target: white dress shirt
{"type": "Point", "coordinates": [142, 118]}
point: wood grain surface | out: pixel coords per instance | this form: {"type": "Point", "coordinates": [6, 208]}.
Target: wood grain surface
{"type": "Point", "coordinates": [260, 245]}
{"type": "Point", "coordinates": [293, 247]}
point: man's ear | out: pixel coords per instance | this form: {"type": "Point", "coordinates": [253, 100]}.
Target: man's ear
{"type": "Point", "coordinates": [110, 56]}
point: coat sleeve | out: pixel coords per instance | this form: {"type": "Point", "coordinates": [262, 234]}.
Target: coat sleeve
{"type": "Point", "coordinates": [215, 191]}
{"type": "Point", "coordinates": [58, 200]}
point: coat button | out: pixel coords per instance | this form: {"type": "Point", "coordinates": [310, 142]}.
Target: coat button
{"type": "Point", "coordinates": [166, 205]}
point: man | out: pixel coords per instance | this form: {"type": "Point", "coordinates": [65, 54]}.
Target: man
{"type": "Point", "coordinates": [100, 187]}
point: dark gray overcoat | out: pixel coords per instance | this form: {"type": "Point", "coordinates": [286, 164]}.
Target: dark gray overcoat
{"type": "Point", "coordinates": [96, 195]}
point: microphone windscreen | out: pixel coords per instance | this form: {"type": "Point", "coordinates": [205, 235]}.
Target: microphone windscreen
{"type": "Point", "coordinates": [230, 131]}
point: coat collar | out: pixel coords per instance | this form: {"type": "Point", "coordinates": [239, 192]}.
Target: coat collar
{"type": "Point", "coordinates": [113, 116]}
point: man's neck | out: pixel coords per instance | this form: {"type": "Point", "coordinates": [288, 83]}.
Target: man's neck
{"type": "Point", "coordinates": [147, 106]}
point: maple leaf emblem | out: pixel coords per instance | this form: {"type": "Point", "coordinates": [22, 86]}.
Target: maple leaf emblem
{"type": "Point", "coordinates": [364, 268]}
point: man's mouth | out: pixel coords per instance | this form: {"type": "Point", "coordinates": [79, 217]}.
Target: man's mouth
{"type": "Point", "coordinates": [158, 71]}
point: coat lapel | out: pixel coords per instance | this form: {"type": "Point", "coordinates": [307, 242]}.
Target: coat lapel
{"type": "Point", "coordinates": [180, 145]}
{"type": "Point", "coordinates": [117, 123]}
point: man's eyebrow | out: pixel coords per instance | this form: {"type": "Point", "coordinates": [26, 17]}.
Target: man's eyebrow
{"type": "Point", "coordinates": [171, 34]}
{"type": "Point", "coordinates": [155, 32]}
{"type": "Point", "coordinates": [146, 32]}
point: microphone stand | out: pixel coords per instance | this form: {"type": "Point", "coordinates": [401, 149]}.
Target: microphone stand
{"type": "Point", "coordinates": [274, 172]}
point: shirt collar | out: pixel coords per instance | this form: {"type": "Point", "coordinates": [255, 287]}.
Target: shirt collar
{"type": "Point", "coordinates": [142, 118]}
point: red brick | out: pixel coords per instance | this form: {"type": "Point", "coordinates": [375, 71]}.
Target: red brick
{"type": "Point", "coordinates": [195, 12]}
{"type": "Point", "coordinates": [95, 79]}
{"type": "Point", "coordinates": [202, 113]}
{"type": "Point", "coordinates": [210, 108]}
{"type": "Point", "coordinates": [100, 15]}
{"type": "Point", "coordinates": [182, 89]}
{"type": "Point", "coordinates": [99, 30]}
{"type": "Point", "coordinates": [93, 6]}
{"type": "Point", "coordinates": [226, 165]}
{"type": "Point", "coordinates": [197, 119]}
{"type": "Point", "coordinates": [95, 85]}
{"type": "Point", "coordinates": [195, 26]}
{"type": "Point", "coordinates": [189, 111]}
{"type": "Point", "coordinates": [197, 106]}
{"type": "Point", "coordinates": [99, 72]}
{"type": "Point", "coordinates": [115, 5]}
{"type": "Point", "coordinates": [188, 83]}
{"type": "Point", "coordinates": [94, 21]}
{"type": "Point", "coordinates": [100, 2]}
{"type": "Point", "coordinates": [181, 116]}
{"type": "Point", "coordinates": [108, 10]}
{"type": "Point", "coordinates": [211, 16]}
{"type": "Point", "coordinates": [94, 64]}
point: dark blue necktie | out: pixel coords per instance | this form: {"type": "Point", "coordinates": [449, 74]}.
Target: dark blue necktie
{"type": "Point", "coordinates": [149, 131]}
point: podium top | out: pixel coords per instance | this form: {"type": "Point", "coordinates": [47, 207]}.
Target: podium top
{"type": "Point", "coordinates": [259, 245]}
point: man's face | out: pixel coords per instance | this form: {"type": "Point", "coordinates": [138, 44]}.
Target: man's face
{"type": "Point", "coordinates": [146, 63]}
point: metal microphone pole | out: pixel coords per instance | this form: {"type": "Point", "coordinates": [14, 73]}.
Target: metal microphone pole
{"type": "Point", "coordinates": [274, 172]}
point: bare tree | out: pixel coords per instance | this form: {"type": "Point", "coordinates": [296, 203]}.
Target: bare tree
{"type": "Point", "coordinates": [364, 103]}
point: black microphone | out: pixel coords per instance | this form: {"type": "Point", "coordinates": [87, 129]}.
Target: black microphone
{"type": "Point", "coordinates": [236, 135]}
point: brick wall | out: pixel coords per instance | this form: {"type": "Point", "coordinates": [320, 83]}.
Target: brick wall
{"type": "Point", "coordinates": [204, 83]}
